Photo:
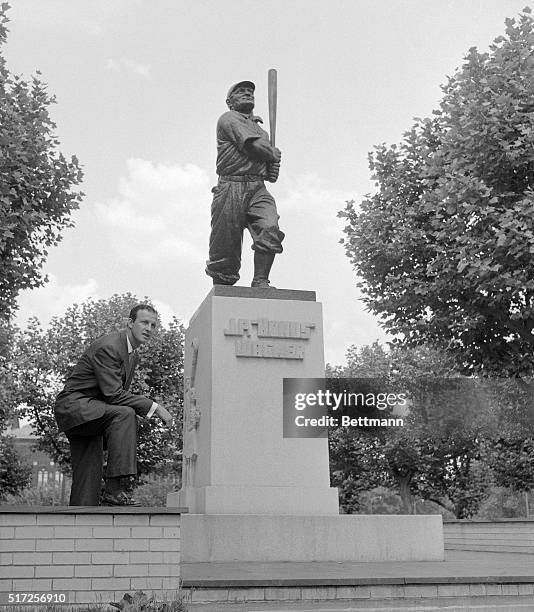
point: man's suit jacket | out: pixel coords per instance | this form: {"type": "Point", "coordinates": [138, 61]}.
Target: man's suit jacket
{"type": "Point", "coordinates": [101, 376]}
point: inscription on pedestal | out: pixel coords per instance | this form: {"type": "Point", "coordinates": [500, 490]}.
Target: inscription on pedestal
{"type": "Point", "coordinates": [251, 334]}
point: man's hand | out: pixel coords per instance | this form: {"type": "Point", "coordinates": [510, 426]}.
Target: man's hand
{"type": "Point", "coordinates": [277, 155]}
{"type": "Point", "coordinates": [164, 415]}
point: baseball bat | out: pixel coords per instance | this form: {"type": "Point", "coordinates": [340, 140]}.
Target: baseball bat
{"type": "Point", "coordinates": [272, 90]}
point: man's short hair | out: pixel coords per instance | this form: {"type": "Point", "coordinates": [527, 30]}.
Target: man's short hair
{"type": "Point", "coordinates": [136, 309]}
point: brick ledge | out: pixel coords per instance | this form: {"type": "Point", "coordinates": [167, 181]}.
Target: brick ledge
{"type": "Point", "coordinates": [517, 519]}
{"type": "Point", "coordinates": [91, 510]}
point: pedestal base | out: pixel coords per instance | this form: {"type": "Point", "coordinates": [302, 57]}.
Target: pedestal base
{"type": "Point", "coordinates": [256, 500]}
{"type": "Point", "coordinates": [209, 538]}
{"type": "Point", "coordinates": [239, 347]}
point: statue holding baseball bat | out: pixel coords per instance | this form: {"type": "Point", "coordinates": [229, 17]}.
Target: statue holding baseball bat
{"type": "Point", "coordinates": [246, 157]}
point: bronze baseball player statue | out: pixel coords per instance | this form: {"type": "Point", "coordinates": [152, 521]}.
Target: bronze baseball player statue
{"type": "Point", "coordinates": [245, 159]}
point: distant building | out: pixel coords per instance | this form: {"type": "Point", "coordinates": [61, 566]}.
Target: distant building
{"type": "Point", "coordinates": [44, 470]}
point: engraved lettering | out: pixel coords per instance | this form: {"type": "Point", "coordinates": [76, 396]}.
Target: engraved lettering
{"type": "Point", "coordinates": [232, 329]}
{"type": "Point", "coordinates": [254, 332]}
{"type": "Point", "coordinates": [263, 328]}
{"type": "Point", "coordinates": [279, 350]}
{"type": "Point", "coordinates": [243, 327]}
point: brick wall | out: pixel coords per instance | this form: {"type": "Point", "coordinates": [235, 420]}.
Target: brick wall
{"type": "Point", "coordinates": [516, 535]}
{"type": "Point", "coordinates": [91, 556]}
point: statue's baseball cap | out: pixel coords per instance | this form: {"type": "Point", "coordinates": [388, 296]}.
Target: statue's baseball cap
{"type": "Point", "coordinates": [248, 83]}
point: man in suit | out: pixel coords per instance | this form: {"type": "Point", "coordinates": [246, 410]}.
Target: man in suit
{"type": "Point", "coordinates": [95, 407]}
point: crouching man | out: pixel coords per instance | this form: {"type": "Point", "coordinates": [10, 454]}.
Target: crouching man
{"type": "Point", "coordinates": [96, 411]}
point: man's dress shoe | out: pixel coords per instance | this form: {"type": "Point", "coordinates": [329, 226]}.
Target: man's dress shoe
{"type": "Point", "coordinates": [118, 499]}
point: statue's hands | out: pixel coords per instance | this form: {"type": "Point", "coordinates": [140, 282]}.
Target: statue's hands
{"type": "Point", "coordinates": [273, 168]}
{"type": "Point", "coordinates": [164, 415]}
{"type": "Point", "coordinates": [273, 171]}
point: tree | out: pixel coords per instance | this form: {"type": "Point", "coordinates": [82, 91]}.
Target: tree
{"type": "Point", "coordinates": [357, 464]}
{"type": "Point", "coordinates": [357, 461]}
{"type": "Point", "coordinates": [512, 461]}
{"type": "Point", "coordinates": [35, 182]}
{"type": "Point", "coordinates": [445, 247]}
{"type": "Point", "coordinates": [503, 503]}
{"type": "Point", "coordinates": [15, 473]}
{"type": "Point", "coordinates": [436, 455]}
{"type": "Point", "coordinates": [43, 358]}
{"type": "Point", "coordinates": [510, 455]}
{"type": "Point", "coordinates": [8, 391]}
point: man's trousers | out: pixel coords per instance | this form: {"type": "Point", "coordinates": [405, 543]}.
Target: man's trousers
{"type": "Point", "coordinates": [116, 431]}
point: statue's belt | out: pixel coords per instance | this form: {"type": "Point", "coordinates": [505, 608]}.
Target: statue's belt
{"type": "Point", "coordinates": [241, 178]}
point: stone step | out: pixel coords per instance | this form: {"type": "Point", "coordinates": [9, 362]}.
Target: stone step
{"type": "Point", "coordinates": [458, 604]}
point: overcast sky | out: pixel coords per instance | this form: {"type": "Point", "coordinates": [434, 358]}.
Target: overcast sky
{"type": "Point", "coordinates": [140, 86]}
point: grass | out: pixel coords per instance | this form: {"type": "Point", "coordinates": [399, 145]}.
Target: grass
{"type": "Point", "coordinates": [139, 602]}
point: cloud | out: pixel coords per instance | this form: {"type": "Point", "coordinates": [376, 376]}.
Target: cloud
{"type": "Point", "coordinates": [128, 66]}
{"type": "Point", "coordinates": [154, 238]}
{"type": "Point", "coordinates": [92, 18]}
{"type": "Point", "coordinates": [53, 299]}
{"type": "Point", "coordinates": [166, 312]}
{"type": "Point", "coordinates": [313, 259]}
{"type": "Point", "coordinates": [164, 207]}
{"type": "Point", "coordinates": [167, 207]}
{"type": "Point", "coordinates": [307, 195]}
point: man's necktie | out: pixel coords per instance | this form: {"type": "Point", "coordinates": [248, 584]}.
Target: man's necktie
{"type": "Point", "coordinates": [132, 362]}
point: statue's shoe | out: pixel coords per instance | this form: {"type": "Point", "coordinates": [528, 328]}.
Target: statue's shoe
{"type": "Point", "coordinates": [262, 284]}
{"type": "Point", "coordinates": [118, 499]}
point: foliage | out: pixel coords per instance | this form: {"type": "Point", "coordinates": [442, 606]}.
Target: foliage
{"type": "Point", "coordinates": [140, 602]}
{"type": "Point", "coordinates": [43, 358]}
{"type": "Point", "coordinates": [95, 607]}
{"type": "Point", "coordinates": [379, 500]}
{"type": "Point", "coordinates": [502, 503]}
{"type": "Point", "coordinates": [15, 473]}
{"type": "Point", "coordinates": [512, 462]}
{"type": "Point", "coordinates": [357, 464]}
{"type": "Point", "coordinates": [36, 199]}
{"type": "Point", "coordinates": [445, 246]}
{"type": "Point", "coordinates": [510, 453]}
{"type": "Point", "coordinates": [464, 483]}
{"type": "Point", "coordinates": [8, 393]}
{"type": "Point", "coordinates": [384, 500]}
{"type": "Point", "coordinates": [147, 493]}
{"type": "Point", "coordinates": [48, 495]}
{"type": "Point", "coordinates": [436, 455]}
{"type": "Point", "coordinates": [154, 492]}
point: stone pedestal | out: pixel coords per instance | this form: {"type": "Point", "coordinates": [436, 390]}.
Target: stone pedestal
{"type": "Point", "coordinates": [252, 494]}
{"type": "Point", "coordinates": [349, 537]}
{"type": "Point", "coordinates": [240, 345]}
